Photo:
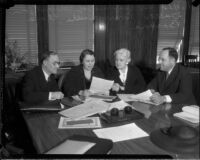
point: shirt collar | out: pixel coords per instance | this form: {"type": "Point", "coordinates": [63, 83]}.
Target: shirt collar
{"type": "Point", "coordinates": [170, 70]}
{"type": "Point", "coordinates": [45, 74]}
{"type": "Point", "coordinates": [126, 70]}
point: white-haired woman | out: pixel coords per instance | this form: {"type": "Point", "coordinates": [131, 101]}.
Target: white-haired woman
{"type": "Point", "coordinates": [127, 79]}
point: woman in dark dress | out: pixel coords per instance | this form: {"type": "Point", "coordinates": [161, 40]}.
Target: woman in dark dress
{"type": "Point", "coordinates": [127, 79]}
{"type": "Point", "coordinates": [78, 79]}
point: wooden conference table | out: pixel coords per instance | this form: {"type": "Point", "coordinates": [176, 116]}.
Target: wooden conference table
{"type": "Point", "coordinates": [43, 128]}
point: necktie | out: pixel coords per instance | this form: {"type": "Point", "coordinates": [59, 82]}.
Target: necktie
{"type": "Point", "coordinates": [167, 75]}
{"type": "Point", "coordinates": [50, 78]}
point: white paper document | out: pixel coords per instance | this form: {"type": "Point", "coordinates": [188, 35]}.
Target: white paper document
{"type": "Point", "coordinates": [121, 133]}
{"type": "Point", "coordinates": [135, 97]}
{"type": "Point", "coordinates": [85, 109]}
{"type": "Point", "coordinates": [71, 147]}
{"type": "Point", "coordinates": [101, 86]}
{"type": "Point", "coordinates": [141, 97]}
{"type": "Point", "coordinates": [190, 113]}
{"type": "Point", "coordinates": [89, 122]}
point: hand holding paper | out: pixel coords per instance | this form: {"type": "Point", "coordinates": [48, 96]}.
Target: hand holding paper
{"type": "Point", "coordinates": [100, 85]}
{"type": "Point", "coordinates": [142, 97]}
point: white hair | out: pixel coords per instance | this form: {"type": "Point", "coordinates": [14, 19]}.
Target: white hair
{"type": "Point", "coordinates": [123, 51]}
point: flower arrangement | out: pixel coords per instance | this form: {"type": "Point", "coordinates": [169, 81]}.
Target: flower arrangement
{"type": "Point", "coordinates": [13, 57]}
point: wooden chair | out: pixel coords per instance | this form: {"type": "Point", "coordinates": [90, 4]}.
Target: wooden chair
{"type": "Point", "coordinates": [61, 78]}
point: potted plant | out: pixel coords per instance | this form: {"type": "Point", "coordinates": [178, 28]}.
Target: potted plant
{"type": "Point", "coordinates": [14, 59]}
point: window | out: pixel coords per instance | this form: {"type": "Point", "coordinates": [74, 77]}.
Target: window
{"type": "Point", "coordinates": [194, 32]}
{"type": "Point", "coordinates": [71, 30]}
{"type": "Point", "coordinates": [171, 26]}
{"type": "Point", "coordinates": [21, 26]}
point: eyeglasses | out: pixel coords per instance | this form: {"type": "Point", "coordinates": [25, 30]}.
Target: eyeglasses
{"type": "Point", "coordinates": [56, 63]}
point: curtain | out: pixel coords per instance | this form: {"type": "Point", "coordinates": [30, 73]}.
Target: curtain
{"type": "Point", "coordinates": [43, 29]}
{"type": "Point", "coordinates": [134, 27]}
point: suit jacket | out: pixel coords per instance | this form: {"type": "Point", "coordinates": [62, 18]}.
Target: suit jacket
{"type": "Point", "coordinates": [74, 81]}
{"type": "Point", "coordinates": [35, 88]}
{"type": "Point", "coordinates": [134, 82]}
{"type": "Point", "coordinates": [178, 85]}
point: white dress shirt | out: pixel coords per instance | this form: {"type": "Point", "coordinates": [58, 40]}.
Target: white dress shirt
{"type": "Point", "coordinates": [47, 77]}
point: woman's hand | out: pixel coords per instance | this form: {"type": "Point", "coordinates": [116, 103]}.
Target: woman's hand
{"type": "Point", "coordinates": [85, 93]}
{"type": "Point", "coordinates": [116, 87]}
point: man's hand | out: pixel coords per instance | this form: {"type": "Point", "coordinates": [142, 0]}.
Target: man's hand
{"type": "Point", "coordinates": [157, 98]}
{"type": "Point", "coordinates": [56, 95]}
{"type": "Point", "coordinates": [116, 87]}
{"type": "Point", "coordinates": [152, 91]}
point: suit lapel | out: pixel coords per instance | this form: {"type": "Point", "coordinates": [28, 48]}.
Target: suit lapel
{"type": "Point", "coordinates": [118, 80]}
{"type": "Point", "coordinates": [41, 77]}
{"type": "Point", "coordinates": [128, 77]}
{"type": "Point", "coordinates": [171, 77]}
{"type": "Point", "coordinates": [162, 79]}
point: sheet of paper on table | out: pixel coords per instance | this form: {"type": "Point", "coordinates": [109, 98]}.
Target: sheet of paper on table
{"type": "Point", "coordinates": [189, 113]}
{"type": "Point", "coordinates": [141, 97]}
{"type": "Point", "coordinates": [121, 133]}
{"type": "Point", "coordinates": [89, 122]}
{"type": "Point", "coordinates": [71, 147]}
{"type": "Point", "coordinates": [101, 86]}
{"type": "Point", "coordinates": [85, 109]}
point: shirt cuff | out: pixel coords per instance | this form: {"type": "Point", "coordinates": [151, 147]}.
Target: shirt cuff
{"type": "Point", "coordinates": [168, 99]}
{"type": "Point", "coordinates": [50, 97]}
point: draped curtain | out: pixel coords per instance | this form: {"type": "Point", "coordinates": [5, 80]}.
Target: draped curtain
{"type": "Point", "coordinates": [43, 29]}
{"type": "Point", "coordinates": [126, 26]}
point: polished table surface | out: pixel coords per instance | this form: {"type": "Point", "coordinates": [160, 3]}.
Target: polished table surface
{"type": "Point", "coordinates": [45, 134]}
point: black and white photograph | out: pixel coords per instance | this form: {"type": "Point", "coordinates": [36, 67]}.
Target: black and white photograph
{"type": "Point", "coordinates": [99, 79]}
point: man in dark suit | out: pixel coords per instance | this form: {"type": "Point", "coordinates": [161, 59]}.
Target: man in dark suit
{"type": "Point", "coordinates": [127, 79]}
{"type": "Point", "coordinates": [173, 83]}
{"type": "Point", "coordinates": [39, 84]}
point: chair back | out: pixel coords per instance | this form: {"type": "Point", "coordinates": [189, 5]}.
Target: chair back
{"type": "Point", "coordinates": [61, 78]}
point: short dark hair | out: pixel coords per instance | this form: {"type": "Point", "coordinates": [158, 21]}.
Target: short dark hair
{"type": "Point", "coordinates": [172, 52]}
{"type": "Point", "coordinates": [46, 55]}
{"type": "Point", "coordinates": [84, 53]}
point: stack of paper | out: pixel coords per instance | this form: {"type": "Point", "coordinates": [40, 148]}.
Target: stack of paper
{"type": "Point", "coordinates": [190, 113]}
{"type": "Point", "coordinates": [141, 97]}
{"type": "Point", "coordinates": [144, 96]}
{"type": "Point", "coordinates": [121, 133]}
{"type": "Point", "coordinates": [85, 109]}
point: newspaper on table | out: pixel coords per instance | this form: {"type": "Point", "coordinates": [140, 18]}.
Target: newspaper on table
{"type": "Point", "coordinates": [86, 109]}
